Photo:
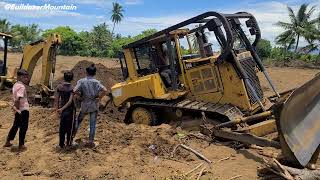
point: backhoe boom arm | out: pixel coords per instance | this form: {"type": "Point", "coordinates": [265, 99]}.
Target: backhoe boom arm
{"type": "Point", "coordinates": [47, 50]}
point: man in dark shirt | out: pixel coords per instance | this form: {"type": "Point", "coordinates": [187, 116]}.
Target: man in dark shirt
{"type": "Point", "coordinates": [90, 90]}
{"type": "Point", "coordinates": [65, 107]}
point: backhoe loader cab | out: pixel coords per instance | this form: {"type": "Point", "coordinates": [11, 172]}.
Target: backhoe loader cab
{"type": "Point", "coordinates": [3, 61]}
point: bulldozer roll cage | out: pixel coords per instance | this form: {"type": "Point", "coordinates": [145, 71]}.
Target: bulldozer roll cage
{"type": "Point", "coordinates": [225, 36]}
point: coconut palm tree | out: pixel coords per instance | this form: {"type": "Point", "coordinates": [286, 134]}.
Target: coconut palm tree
{"type": "Point", "coordinates": [297, 24]}
{"type": "Point", "coordinates": [312, 35]}
{"type": "Point", "coordinates": [116, 15]}
{"type": "Point", "coordinates": [4, 26]}
{"type": "Point", "coordinates": [286, 40]}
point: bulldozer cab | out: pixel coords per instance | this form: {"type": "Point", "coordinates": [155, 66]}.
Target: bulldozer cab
{"type": "Point", "coordinates": [152, 57]}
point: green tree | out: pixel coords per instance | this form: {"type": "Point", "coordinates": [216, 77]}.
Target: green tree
{"type": "Point", "coordinates": [4, 26]}
{"type": "Point", "coordinates": [297, 23]}
{"type": "Point", "coordinates": [116, 15]}
{"type": "Point", "coordinates": [85, 49]}
{"type": "Point", "coordinates": [119, 41]}
{"type": "Point", "coordinates": [145, 33]}
{"type": "Point", "coordinates": [71, 42]}
{"type": "Point", "coordinates": [100, 40]}
{"type": "Point", "coordinates": [23, 35]}
{"type": "Point", "coordinates": [264, 48]}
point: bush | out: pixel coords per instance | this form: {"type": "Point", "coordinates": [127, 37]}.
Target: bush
{"type": "Point", "coordinates": [264, 48]}
{"type": "Point", "coordinates": [309, 58]}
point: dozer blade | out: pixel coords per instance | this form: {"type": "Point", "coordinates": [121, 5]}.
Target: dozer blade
{"type": "Point", "coordinates": [299, 123]}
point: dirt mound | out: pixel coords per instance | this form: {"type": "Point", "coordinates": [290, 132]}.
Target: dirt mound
{"type": "Point", "coordinates": [107, 76]}
{"type": "Point", "coordinates": [124, 152]}
{"type": "Point", "coordinates": [5, 95]}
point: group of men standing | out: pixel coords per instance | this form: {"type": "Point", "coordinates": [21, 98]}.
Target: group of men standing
{"type": "Point", "coordinates": [88, 90]}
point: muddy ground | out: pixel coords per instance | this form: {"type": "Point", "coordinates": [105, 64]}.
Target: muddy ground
{"type": "Point", "coordinates": [127, 151]}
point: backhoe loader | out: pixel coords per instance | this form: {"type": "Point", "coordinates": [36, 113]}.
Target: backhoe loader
{"type": "Point", "coordinates": [221, 86]}
{"type": "Point", "coordinates": [45, 48]}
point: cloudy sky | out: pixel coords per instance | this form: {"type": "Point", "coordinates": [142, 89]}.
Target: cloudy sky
{"type": "Point", "coordinates": [144, 14]}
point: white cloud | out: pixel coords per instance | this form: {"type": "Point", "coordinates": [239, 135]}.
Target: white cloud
{"type": "Point", "coordinates": [266, 13]}
{"type": "Point", "coordinates": [93, 2]}
{"type": "Point", "coordinates": [133, 2]}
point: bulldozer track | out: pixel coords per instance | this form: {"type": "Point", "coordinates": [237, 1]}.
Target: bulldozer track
{"type": "Point", "coordinates": [232, 112]}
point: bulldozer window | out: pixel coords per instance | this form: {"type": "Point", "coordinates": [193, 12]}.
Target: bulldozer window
{"type": "Point", "coordinates": [123, 64]}
{"type": "Point", "coordinates": [144, 64]}
{"type": "Point", "coordinates": [239, 42]}
{"type": "Point", "coordinates": [189, 47]}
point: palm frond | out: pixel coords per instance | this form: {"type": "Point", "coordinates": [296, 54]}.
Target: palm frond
{"type": "Point", "coordinates": [314, 21]}
{"type": "Point", "coordinates": [292, 16]}
{"type": "Point", "coordinates": [309, 48]}
{"type": "Point", "coordinates": [301, 16]}
{"type": "Point", "coordinates": [285, 37]}
{"type": "Point", "coordinates": [311, 11]}
{"type": "Point", "coordinates": [285, 25]}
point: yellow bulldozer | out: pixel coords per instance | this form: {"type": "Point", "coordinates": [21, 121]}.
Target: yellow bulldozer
{"type": "Point", "coordinates": [222, 86]}
{"type": "Point", "coordinates": [45, 48]}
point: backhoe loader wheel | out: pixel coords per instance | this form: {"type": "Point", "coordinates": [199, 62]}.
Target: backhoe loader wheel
{"type": "Point", "coordinates": [141, 115]}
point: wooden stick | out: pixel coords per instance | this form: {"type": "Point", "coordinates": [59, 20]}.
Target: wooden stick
{"type": "Point", "coordinates": [235, 177]}
{"type": "Point", "coordinates": [186, 174]}
{"type": "Point", "coordinates": [269, 166]}
{"type": "Point", "coordinates": [284, 171]}
{"type": "Point", "coordinates": [192, 150]}
{"type": "Point", "coordinates": [278, 169]}
{"type": "Point", "coordinates": [268, 154]}
{"type": "Point", "coordinates": [223, 159]}
{"type": "Point", "coordinates": [278, 173]}
{"type": "Point", "coordinates": [201, 172]}
{"type": "Point", "coordinates": [253, 146]}
{"type": "Point", "coordinates": [303, 174]}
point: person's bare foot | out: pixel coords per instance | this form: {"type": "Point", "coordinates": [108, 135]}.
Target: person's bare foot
{"type": "Point", "coordinates": [7, 144]}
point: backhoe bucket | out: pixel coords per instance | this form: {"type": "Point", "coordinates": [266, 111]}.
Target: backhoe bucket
{"type": "Point", "coordinates": [299, 123]}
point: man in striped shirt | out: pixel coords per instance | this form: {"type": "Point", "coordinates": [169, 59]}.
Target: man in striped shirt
{"type": "Point", "coordinates": [90, 90]}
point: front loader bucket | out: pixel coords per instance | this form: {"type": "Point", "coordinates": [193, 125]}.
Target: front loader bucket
{"type": "Point", "coordinates": [299, 123]}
